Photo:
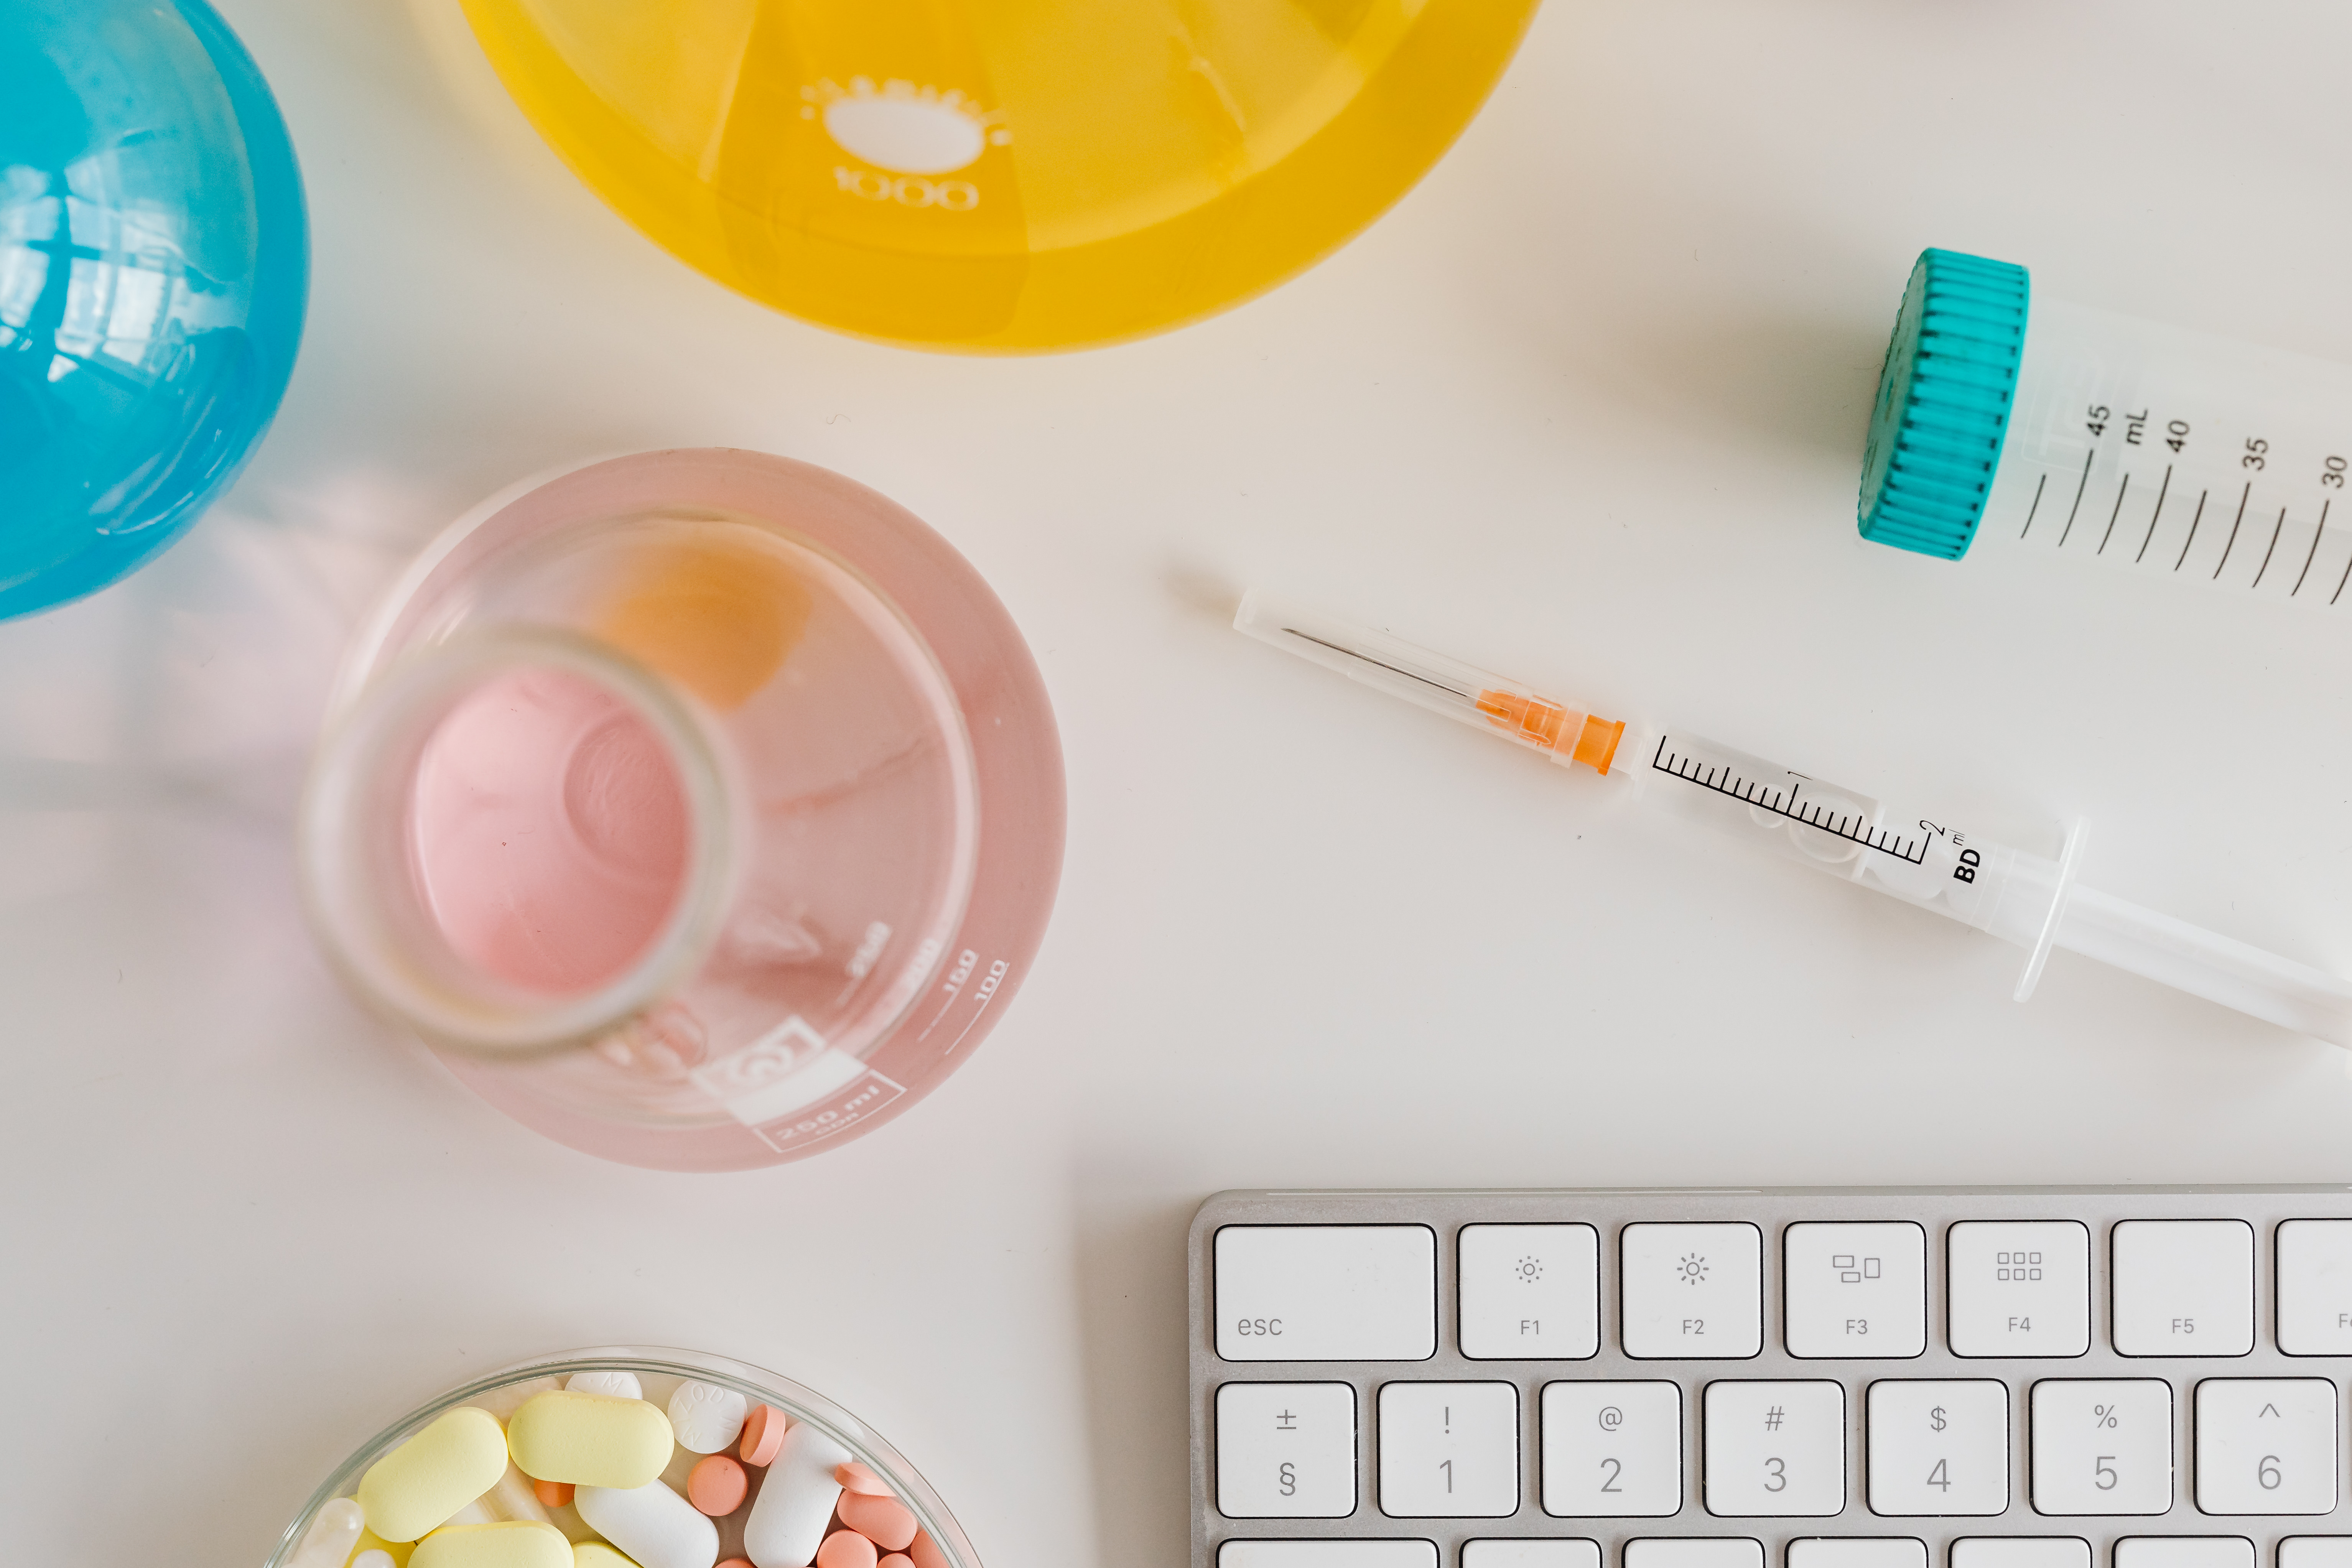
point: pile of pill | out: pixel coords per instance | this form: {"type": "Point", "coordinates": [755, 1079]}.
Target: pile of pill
{"type": "Point", "coordinates": [592, 1474]}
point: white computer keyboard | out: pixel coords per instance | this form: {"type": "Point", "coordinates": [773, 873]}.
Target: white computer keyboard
{"type": "Point", "coordinates": [2108, 1378]}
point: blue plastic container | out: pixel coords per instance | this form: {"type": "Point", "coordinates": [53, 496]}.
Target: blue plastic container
{"type": "Point", "coordinates": [155, 265]}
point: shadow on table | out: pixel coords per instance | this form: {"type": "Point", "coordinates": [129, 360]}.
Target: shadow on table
{"type": "Point", "coordinates": [1133, 1326]}
{"type": "Point", "coordinates": [1783, 379]}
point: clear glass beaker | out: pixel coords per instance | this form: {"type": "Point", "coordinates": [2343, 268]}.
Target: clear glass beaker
{"type": "Point", "coordinates": [699, 808]}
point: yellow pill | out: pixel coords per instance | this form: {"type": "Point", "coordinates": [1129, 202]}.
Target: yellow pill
{"type": "Point", "coordinates": [510, 1543]}
{"type": "Point", "coordinates": [433, 1475]}
{"type": "Point", "coordinates": [596, 1554]}
{"type": "Point", "coordinates": [590, 1440]}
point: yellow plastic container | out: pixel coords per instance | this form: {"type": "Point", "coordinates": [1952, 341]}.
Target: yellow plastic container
{"type": "Point", "coordinates": [999, 176]}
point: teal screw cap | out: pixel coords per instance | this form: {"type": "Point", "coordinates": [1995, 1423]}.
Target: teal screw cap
{"type": "Point", "coordinates": [1943, 403]}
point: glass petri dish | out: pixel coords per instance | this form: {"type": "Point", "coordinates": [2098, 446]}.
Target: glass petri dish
{"type": "Point", "coordinates": [659, 1371]}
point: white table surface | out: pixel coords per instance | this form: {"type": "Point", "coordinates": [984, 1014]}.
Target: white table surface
{"type": "Point", "coordinates": [1586, 406]}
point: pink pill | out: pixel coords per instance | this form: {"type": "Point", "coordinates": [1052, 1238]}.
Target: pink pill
{"type": "Point", "coordinates": [763, 1434]}
{"type": "Point", "coordinates": [884, 1521]}
{"type": "Point", "coordinates": [716, 1485]}
{"type": "Point", "coordinates": [855, 1478]}
{"type": "Point", "coordinates": [846, 1548]}
{"type": "Point", "coordinates": [926, 1553]}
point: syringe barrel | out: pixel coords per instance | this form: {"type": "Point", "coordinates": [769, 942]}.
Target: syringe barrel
{"type": "Point", "coordinates": [2010, 422]}
{"type": "Point", "coordinates": [1922, 858]}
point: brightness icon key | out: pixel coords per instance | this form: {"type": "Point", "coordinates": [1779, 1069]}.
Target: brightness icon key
{"type": "Point", "coordinates": [1693, 1291]}
{"type": "Point", "coordinates": [1529, 1292]}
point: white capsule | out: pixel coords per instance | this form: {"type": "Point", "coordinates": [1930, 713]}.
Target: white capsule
{"type": "Point", "coordinates": [706, 1417]}
{"type": "Point", "coordinates": [332, 1534]}
{"type": "Point", "coordinates": [618, 1384]}
{"type": "Point", "coordinates": [375, 1557]}
{"type": "Point", "coordinates": [658, 1528]}
{"type": "Point", "coordinates": [512, 1498]}
{"type": "Point", "coordinates": [796, 1502]}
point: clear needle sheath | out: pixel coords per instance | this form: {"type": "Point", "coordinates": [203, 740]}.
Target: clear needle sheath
{"type": "Point", "coordinates": [1923, 859]}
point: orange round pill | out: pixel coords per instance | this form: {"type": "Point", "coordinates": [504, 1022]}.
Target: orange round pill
{"type": "Point", "coordinates": [925, 1552]}
{"type": "Point", "coordinates": [884, 1521]}
{"type": "Point", "coordinates": [716, 1485]}
{"type": "Point", "coordinates": [846, 1548]}
{"type": "Point", "coordinates": [763, 1434]}
{"type": "Point", "coordinates": [552, 1494]}
{"type": "Point", "coordinates": [855, 1478]}
{"type": "Point", "coordinates": [736, 1562]}
{"type": "Point", "coordinates": [896, 1560]}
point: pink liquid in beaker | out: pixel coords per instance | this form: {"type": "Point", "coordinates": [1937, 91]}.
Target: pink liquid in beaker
{"type": "Point", "coordinates": [549, 828]}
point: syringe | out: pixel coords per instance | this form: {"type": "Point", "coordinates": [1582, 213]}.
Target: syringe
{"type": "Point", "coordinates": [1919, 857]}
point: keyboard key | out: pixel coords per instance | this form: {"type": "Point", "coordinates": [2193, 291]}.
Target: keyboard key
{"type": "Point", "coordinates": [1938, 1448]}
{"type": "Point", "coordinates": [2316, 1551]}
{"type": "Point", "coordinates": [1285, 1450]}
{"type": "Point", "coordinates": [1775, 1448]}
{"type": "Point", "coordinates": [1328, 1554]}
{"type": "Point", "coordinates": [1613, 1450]}
{"type": "Point", "coordinates": [2184, 1287]}
{"type": "Point", "coordinates": [1694, 1552]}
{"type": "Point", "coordinates": [2102, 1445]}
{"type": "Point", "coordinates": [1327, 1292]}
{"type": "Point", "coordinates": [2267, 1445]}
{"type": "Point", "coordinates": [2021, 1551]}
{"type": "Point", "coordinates": [2315, 1293]}
{"type": "Point", "coordinates": [1857, 1551]}
{"type": "Point", "coordinates": [1449, 1450]}
{"type": "Point", "coordinates": [2020, 1287]}
{"type": "Point", "coordinates": [1856, 1291]}
{"type": "Point", "coordinates": [2184, 1552]}
{"type": "Point", "coordinates": [1531, 1554]}
{"type": "Point", "coordinates": [1693, 1291]}
{"type": "Point", "coordinates": [1530, 1292]}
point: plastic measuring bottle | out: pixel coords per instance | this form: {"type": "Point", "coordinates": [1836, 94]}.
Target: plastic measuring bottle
{"type": "Point", "coordinates": [2022, 423]}
{"type": "Point", "coordinates": [1921, 857]}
